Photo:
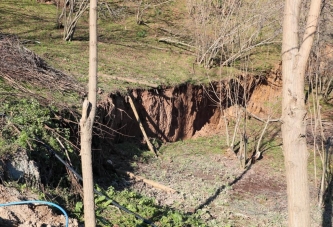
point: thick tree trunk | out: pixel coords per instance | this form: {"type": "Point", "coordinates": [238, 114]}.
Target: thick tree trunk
{"type": "Point", "coordinates": [87, 121]}
{"type": "Point", "coordinates": [294, 60]}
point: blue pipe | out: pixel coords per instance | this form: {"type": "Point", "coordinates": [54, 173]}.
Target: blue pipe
{"type": "Point", "coordinates": [40, 202]}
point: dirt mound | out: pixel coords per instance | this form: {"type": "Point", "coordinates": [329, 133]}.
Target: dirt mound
{"type": "Point", "coordinates": [26, 215]}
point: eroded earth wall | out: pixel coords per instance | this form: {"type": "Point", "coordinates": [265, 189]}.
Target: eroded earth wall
{"type": "Point", "coordinates": [169, 114]}
{"type": "Point", "coordinates": [173, 113]}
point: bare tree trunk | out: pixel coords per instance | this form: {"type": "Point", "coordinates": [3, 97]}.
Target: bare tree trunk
{"type": "Point", "coordinates": [72, 16]}
{"type": "Point", "coordinates": [87, 121]}
{"type": "Point", "coordinates": [294, 59]}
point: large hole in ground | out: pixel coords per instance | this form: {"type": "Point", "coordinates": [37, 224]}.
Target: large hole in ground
{"type": "Point", "coordinates": [177, 113]}
{"type": "Point", "coordinates": [197, 168]}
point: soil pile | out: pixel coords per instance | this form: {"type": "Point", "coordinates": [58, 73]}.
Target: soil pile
{"type": "Point", "coordinates": [28, 215]}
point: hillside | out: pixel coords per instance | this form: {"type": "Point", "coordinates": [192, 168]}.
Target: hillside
{"type": "Point", "coordinates": [123, 40]}
{"type": "Point", "coordinates": [204, 78]}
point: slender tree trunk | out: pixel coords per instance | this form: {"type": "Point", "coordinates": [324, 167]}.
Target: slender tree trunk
{"type": "Point", "coordinates": [87, 121]}
{"type": "Point", "coordinates": [294, 60]}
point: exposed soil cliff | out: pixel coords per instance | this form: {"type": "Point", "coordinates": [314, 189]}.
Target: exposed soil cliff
{"type": "Point", "coordinates": [266, 100]}
{"type": "Point", "coordinates": [170, 114]}
{"type": "Point", "coordinates": [175, 113]}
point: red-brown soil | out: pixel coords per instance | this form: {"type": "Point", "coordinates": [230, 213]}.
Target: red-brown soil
{"type": "Point", "coordinates": [28, 215]}
{"type": "Point", "coordinates": [174, 113]}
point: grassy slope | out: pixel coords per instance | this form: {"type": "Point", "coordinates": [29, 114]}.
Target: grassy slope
{"type": "Point", "coordinates": [125, 48]}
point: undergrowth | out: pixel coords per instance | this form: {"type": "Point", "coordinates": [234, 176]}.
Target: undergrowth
{"type": "Point", "coordinates": [122, 41]}
{"type": "Point", "coordinates": [108, 215]}
{"type": "Point", "coordinates": [26, 123]}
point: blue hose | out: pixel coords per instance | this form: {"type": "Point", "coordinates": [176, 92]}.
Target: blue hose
{"type": "Point", "coordinates": [40, 202]}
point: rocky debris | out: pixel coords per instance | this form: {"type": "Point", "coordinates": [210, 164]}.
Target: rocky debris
{"type": "Point", "coordinates": [20, 168]}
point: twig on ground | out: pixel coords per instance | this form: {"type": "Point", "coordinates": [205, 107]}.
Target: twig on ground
{"type": "Point", "coordinates": [150, 182]}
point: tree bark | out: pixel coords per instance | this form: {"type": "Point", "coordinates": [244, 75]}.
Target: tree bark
{"type": "Point", "coordinates": [294, 59]}
{"type": "Point", "coordinates": [87, 121]}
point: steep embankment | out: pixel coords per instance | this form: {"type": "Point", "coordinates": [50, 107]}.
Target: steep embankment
{"type": "Point", "coordinates": [180, 112]}
{"type": "Point", "coordinates": [171, 114]}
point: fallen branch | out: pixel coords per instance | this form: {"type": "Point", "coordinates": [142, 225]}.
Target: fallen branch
{"type": "Point", "coordinates": [62, 137]}
{"type": "Point", "coordinates": [66, 152]}
{"type": "Point", "coordinates": [175, 42]}
{"type": "Point", "coordinates": [263, 120]}
{"type": "Point", "coordinates": [130, 80]}
{"type": "Point", "coordinates": [151, 147]}
{"type": "Point", "coordinates": [150, 182]}
{"type": "Point", "coordinates": [258, 152]}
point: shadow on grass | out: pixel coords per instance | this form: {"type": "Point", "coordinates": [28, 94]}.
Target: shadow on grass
{"type": "Point", "coordinates": [220, 189]}
{"type": "Point", "coordinates": [21, 17]}
{"type": "Point", "coordinates": [141, 211]}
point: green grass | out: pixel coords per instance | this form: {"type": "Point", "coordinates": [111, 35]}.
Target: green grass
{"type": "Point", "coordinates": [211, 144]}
{"type": "Point", "coordinates": [29, 20]}
{"type": "Point", "coordinates": [126, 49]}
{"type": "Point", "coordinates": [144, 206]}
{"type": "Point", "coordinates": [264, 58]}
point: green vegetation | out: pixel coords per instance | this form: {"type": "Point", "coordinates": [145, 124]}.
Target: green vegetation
{"type": "Point", "coordinates": [214, 144]}
{"type": "Point", "coordinates": [126, 49]}
{"type": "Point", "coordinates": [162, 216]}
{"type": "Point", "coordinates": [27, 122]}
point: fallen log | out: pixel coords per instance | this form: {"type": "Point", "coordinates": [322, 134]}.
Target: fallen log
{"type": "Point", "coordinates": [150, 182]}
{"type": "Point", "coordinates": [175, 42]}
